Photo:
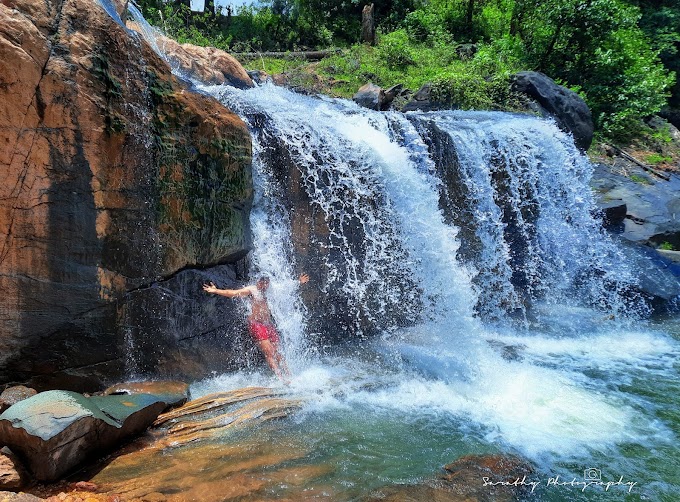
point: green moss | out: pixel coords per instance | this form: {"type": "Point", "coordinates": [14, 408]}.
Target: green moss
{"type": "Point", "coordinates": [666, 246]}
{"type": "Point", "coordinates": [101, 69]}
{"type": "Point", "coordinates": [112, 92]}
{"type": "Point", "coordinates": [159, 89]}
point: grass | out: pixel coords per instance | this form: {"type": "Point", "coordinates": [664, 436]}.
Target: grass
{"type": "Point", "coordinates": [656, 159]}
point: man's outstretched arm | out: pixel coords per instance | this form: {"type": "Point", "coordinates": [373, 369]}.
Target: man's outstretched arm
{"type": "Point", "coordinates": [229, 293]}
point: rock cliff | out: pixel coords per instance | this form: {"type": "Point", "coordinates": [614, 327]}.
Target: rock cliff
{"type": "Point", "coordinates": [114, 180]}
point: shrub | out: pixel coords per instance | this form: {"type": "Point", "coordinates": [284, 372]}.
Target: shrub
{"type": "Point", "coordinates": [395, 49]}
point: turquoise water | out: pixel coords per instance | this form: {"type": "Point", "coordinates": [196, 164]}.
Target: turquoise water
{"type": "Point", "coordinates": [611, 405]}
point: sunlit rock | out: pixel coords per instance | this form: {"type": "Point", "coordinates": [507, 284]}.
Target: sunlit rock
{"type": "Point", "coordinates": [113, 179]}
{"type": "Point", "coordinates": [55, 431]}
{"type": "Point", "coordinates": [173, 393]}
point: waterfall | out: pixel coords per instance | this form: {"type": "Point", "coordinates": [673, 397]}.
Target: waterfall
{"type": "Point", "coordinates": [443, 215]}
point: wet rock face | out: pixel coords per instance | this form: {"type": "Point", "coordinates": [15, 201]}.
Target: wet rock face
{"type": "Point", "coordinates": [112, 179]}
{"type": "Point", "coordinates": [569, 110]}
{"type": "Point", "coordinates": [648, 216]}
{"type": "Point", "coordinates": [174, 393]}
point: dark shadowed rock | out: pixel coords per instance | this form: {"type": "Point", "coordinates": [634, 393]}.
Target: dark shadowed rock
{"type": "Point", "coordinates": [370, 96]}
{"type": "Point", "coordinates": [613, 214]}
{"type": "Point", "coordinates": [13, 395]}
{"type": "Point", "coordinates": [569, 110]}
{"type": "Point", "coordinates": [466, 51]}
{"type": "Point", "coordinates": [423, 100]}
{"type": "Point", "coordinates": [55, 431]}
{"type": "Point", "coordinates": [672, 115]}
{"type": "Point", "coordinates": [173, 393]}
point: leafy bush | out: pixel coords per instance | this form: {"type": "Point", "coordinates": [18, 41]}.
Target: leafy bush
{"type": "Point", "coordinates": [395, 49]}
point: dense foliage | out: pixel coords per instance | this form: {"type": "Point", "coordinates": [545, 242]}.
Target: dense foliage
{"type": "Point", "coordinates": [621, 55]}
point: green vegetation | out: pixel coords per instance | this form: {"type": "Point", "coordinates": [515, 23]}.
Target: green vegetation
{"type": "Point", "coordinates": [620, 55]}
{"type": "Point", "coordinates": [657, 158]}
{"type": "Point", "coordinates": [666, 246]}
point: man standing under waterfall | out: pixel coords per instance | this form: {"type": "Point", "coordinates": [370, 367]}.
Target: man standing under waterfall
{"type": "Point", "coordinates": [260, 321]}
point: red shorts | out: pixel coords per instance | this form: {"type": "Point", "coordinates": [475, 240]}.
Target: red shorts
{"type": "Point", "coordinates": [260, 331]}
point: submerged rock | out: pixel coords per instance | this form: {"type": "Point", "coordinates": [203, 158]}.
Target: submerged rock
{"type": "Point", "coordinates": [55, 431]}
{"type": "Point", "coordinates": [464, 480]}
{"type": "Point", "coordinates": [568, 108]}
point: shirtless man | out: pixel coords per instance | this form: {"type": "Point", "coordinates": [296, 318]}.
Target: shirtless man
{"type": "Point", "coordinates": [260, 321]}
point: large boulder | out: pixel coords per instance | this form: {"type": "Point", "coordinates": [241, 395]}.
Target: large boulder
{"type": "Point", "coordinates": [423, 101]}
{"type": "Point", "coordinates": [114, 179]}
{"type": "Point", "coordinates": [207, 64]}
{"type": "Point", "coordinates": [567, 108]}
{"type": "Point", "coordinates": [370, 96]}
{"type": "Point", "coordinates": [55, 431]}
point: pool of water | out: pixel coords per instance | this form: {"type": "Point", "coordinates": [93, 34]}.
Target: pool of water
{"type": "Point", "coordinates": [605, 400]}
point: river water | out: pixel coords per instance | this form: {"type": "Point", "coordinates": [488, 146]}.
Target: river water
{"type": "Point", "coordinates": [479, 307]}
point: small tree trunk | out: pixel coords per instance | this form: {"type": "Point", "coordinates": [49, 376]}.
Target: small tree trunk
{"type": "Point", "coordinates": [367, 25]}
{"type": "Point", "coordinates": [209, 7]}
{"type": "Point", "coordinates": [469, 13]}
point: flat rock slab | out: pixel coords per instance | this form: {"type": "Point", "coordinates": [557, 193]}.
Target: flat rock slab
{"type": "Point", "coordinates": [174, 393]}
{"type": "Point", "coordinates": [53, 432]}
{"type": "Point", "coordinates": [652, 204]}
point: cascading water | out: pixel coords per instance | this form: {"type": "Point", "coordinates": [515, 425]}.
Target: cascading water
{"type": "Point", "coordinates": [428, 236]}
